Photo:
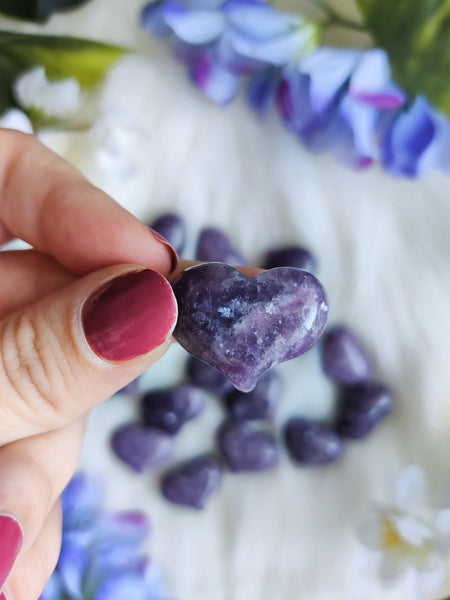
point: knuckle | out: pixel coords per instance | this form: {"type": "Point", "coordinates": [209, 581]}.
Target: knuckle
{"type": "Point", "coordinates": [35, 367]}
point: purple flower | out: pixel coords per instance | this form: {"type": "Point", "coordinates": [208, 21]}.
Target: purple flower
{"type": "Point", "coordinates": [334, 99]}
{"type": "Point", "coordinates": [345, 101]}
{"type": "Point", "coordinates": [412, 141]}
{"type": "Point", "coordinates": [262, 90]}
{"type": "Point", "coordinates": [100, 555]}
{"type": "Point", "coordinates": [371, 82]}
{"type": "Point", "coordinates": [216, 83]}
{"type": "Point", "coordinates": [222, 40]}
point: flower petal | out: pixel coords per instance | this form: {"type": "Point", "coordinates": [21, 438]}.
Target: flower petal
{"type": "Point", "coordinates": [262, 90]}
{"type": "Point", "coordinates": [121, 528]}
{"type": "Point", "coordinates": [72, 567]}
{"type": "Point", "coordinates": [228, 58]}
{"type": "Point", "coordinates": [53, 588]}
{"type": "Point", "coordinates": [329, 69]}
{"type": "Point", "coordinates": [361, 120]}
{"type": "Point", "coordinates": [194, 26]}
{"type": "Point", "coordinates": [414, 532]}
{"type": "Point", "coordinates": [258, 20]}
{"type": "Point", "coordinates": [16, 119]}
{"type": "Point", "coordinates": [410, 489]}
{"type": "Point", "coordinates": [215, 82]}
{"type": "Point", "coordinates": [81, 501]}
{"type": "Point", "coordinates": [442, 522]}
{"type": "Point", "coordinates": [392, 567]}
{"type": "Point", "coordinates": [444, 154]}
{"type": "Point", "coordinates": [121, 586]}
{"type": "Point", "coordinates": [154, 580]}
{"type": "Point", "coordinates": [59, 99]}
{"type": "Point", "coordinates": [293, 99]}
{"type": "Point", "coordinates": [368, 531]}
{"type": "Point", "coordinates": [275, 51]}
{"type": "Point", "coordinates": [409, 143]}
{"type": "Point", "coordinates": [371, 82]}
{"type": "Point", "coordinates": [152, 19]}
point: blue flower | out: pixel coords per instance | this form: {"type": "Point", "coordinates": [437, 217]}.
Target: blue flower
{"type": "Point", "coordinates": [100, 555]}
{"type": "Point", "coordinates": [341, 100]}
{"type": "Point", "coordinates": [222, 40]}
{"type": "Point", "coordinates": [412, 142]}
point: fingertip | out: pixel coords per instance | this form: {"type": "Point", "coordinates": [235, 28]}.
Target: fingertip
{"type": "Point", "coordinates": [130, 316]}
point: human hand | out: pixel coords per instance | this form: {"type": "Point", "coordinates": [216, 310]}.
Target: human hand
{"type": "Point", "coordinates": [80, 316]}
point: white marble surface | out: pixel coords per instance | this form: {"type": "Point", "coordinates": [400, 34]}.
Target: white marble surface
{"type": "Point", "coordinates": [383, 247]}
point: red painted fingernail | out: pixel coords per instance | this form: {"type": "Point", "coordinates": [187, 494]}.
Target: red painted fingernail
{"type": "Point", "coordinates": [168, 245]}
{"type": "Point", "coordinates": [11, 538]}
{"type": "Point", "coordinates": [130, 315]}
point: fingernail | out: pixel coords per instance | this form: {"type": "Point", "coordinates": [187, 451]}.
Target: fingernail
{"type": "Point", "coordinates": [11, 538]}
{"type": "Point", "coordinates": [130, 315]}
{"type": "Point", "coordinates": [168, 245]}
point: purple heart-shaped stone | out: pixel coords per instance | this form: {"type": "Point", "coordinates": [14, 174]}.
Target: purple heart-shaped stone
{"type": "Point", "coordinates": [192, 482]}
{"type": "Point", "coordinates": [245, 449]}
{"type": "Point", "coordinates": [244, 325]}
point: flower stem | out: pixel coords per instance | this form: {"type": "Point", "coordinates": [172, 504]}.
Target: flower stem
{"type": "Point", "coordinates": [333, 18]}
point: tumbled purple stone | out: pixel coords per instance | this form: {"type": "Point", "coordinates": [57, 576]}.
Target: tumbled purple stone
{"type": "Point", "coordinates": [260, 403]}
{"type": "Point", "coordinates": [343, 358]}
{"type": "Point", "coordinates": [168, 409]}
{"type": "Point", "coordinates": [360, 407]}
{"type": "Point", "coordinates": [245, 449]}
{"type": "Point", "coordinates": [214, 246]}
{"type": "Point", "coordinates": [173, 228]}
{"type": "Point", "coordinates": [207, 377]}
{"type": "Point", "coordinates": [142, 447]}
{"type": "Point", "coordinates": [311, 444]}
{"type": "Point", "coordinates": [191, 483]}
{"type": "Point", "coordinates": [244, 325]}
{"type": "Point", "coordinates": [290, 256]}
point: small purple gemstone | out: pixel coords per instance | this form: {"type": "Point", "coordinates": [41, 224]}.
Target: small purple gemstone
{"type": "Point", "coordinates": [245, 449]}
{"type": "Point", "coordinates": [207, 377]}
{"type": "Point", "coordinates": [290, 256]}
{"type": "Point", "coordinates": [214, 246]}
{"type": "Point", "coordinates": [168, 409]}
{"type": "Point", "coordinates": [311, 444]}
{"type": "Point", "coordinates": [173, 228]}
{"type": "Point", "coordinates": [191, 483]}
{"type": "Point", "coordinates": [360, 407]}
{"type": "Point", "coordinates": [142, 448]}
{"type": "Point", "coordinates": [260, 403]}
{"type": "Point", "coordinates": [343, 358]}
{"type": "Point", "coordinates": [243, 326]}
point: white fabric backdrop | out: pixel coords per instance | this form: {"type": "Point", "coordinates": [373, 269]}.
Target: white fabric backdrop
{"type": "Point", "coordinates": [383, 247]}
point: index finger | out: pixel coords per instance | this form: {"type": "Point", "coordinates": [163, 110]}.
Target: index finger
{"type": "Point", "coordinates": [49, 204]}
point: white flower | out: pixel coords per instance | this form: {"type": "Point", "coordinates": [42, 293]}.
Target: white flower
{"type": "Point", "coordinates": [409, 537]}
{"type": "Point", "coordinates": [16, 119]}
{"type": "Point", "coordinates": [59, 99]}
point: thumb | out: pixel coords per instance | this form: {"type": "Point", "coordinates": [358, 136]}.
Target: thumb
{"type": "Point", "coordinates": [66, 353]}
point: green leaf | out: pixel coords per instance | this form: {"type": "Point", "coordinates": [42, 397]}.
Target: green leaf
{"type": "Point", "coordinates": [416, 35]}
{"type": "Point", "coordinates": [35, 10]}
{"type": "Point", "coordinates": [62, 57]}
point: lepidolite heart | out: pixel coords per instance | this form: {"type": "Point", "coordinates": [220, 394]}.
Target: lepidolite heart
{"type": "Point", "coordinates": [244, 325]}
